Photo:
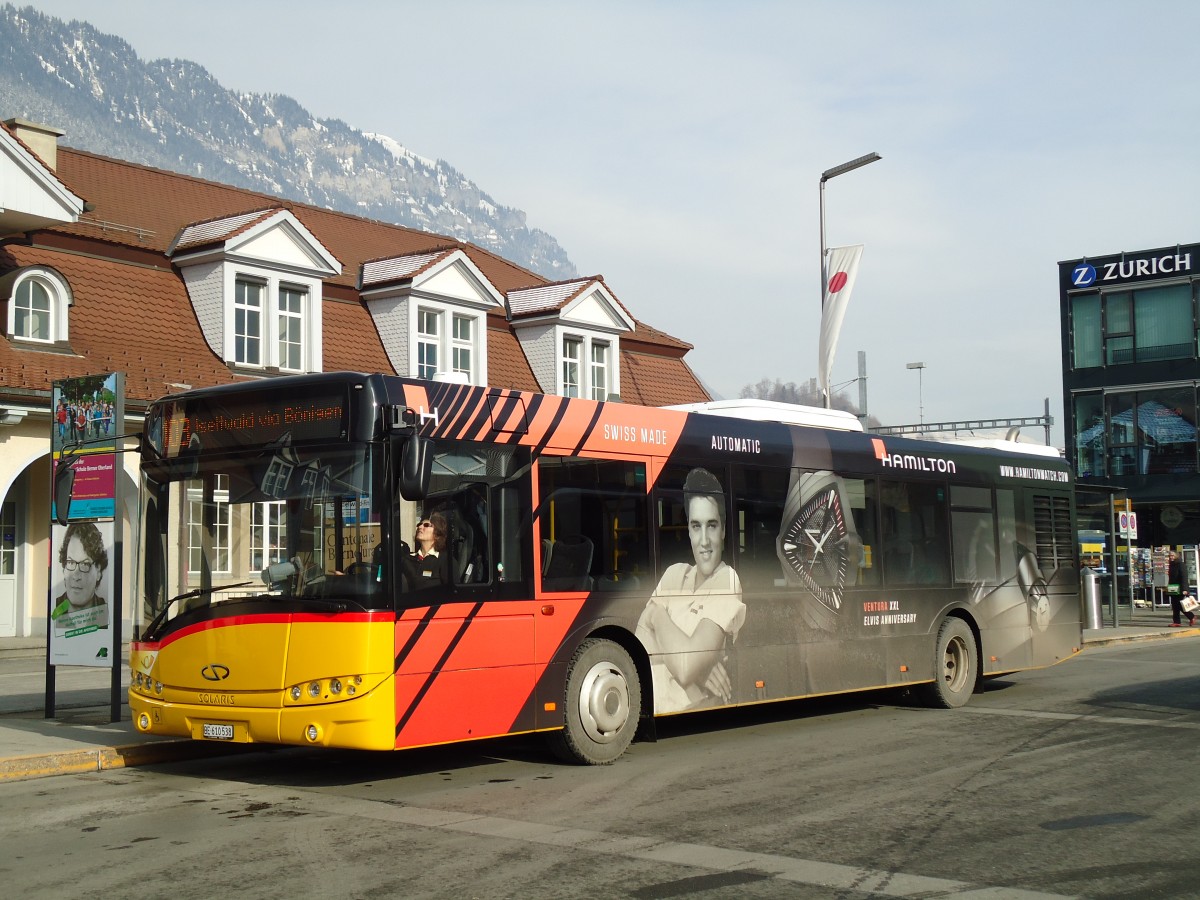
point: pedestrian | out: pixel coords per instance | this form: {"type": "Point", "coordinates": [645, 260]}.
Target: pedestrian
{"type": "Point", "coordinates": [1176, 579]}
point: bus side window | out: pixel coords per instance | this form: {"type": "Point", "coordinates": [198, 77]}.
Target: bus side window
{"type": "Point", "coordinates": [759, 495]}
{"type": "Point", "coordinates": [861, 498]}
{"type": "Point", "coordinates": [915, 538]}
{"type": "Point", "coordinates": [973, 524]}
{"type": "Point", "coordinates": [506, 514]}
{"type": "Point", "coordinates": [592, 516]}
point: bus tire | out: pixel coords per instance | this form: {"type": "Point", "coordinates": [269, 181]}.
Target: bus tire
{"type": "Point", "coordinates": [955, 666]}
{"type": "Point", "coordinates": [602, 705]}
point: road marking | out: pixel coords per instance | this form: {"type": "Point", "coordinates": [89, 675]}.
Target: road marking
{"type": "Point", "coordinates": [855, 879]}
{"type": "Point", "coordinates": [1081, 717]}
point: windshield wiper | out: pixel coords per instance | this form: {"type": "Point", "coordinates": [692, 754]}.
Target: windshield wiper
{"type": "Point", "coordinates": [316, 602]}
{"type": "Point", "coordinates": [158, 620]}
{"type": "Point", "coordinates": [200, 592]}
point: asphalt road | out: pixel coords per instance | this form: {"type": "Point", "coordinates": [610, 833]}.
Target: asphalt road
{"type": "Point", "coordinates": [1073, 781]}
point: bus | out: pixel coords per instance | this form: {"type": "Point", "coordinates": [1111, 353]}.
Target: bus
{"type": "Point", "coordinates": [368, 561]}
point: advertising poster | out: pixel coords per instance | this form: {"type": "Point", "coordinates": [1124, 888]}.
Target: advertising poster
{"type": "Point", "coordinates": [86, 424]}
{"type": "Point", "coordinates": [94, 494]}
{"type": "Point", "coordinates": [81, 590]}
{"type": "Point", "coordinates": [87, 412]}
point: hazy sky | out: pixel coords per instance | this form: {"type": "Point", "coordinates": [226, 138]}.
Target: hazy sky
{"type": "Point", "coordinates": [675, 148]}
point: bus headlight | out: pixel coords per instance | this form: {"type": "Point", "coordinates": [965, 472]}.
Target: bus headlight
{"type": "Point", "coordinates": [297, 693]}
{"type": "Point", "coordinates": [335, 685]}
{"type": "Point", "coordinates": [143, 722]}
{"type": "Point", "coordinates": [158, 687]}
{"type": "Point", "coordinates": [314, 689]}
{"type": "Point", "coordinates": [312, 733]}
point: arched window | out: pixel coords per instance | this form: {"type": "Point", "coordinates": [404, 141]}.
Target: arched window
{"type": "Point", "coordinates": [38, 299]}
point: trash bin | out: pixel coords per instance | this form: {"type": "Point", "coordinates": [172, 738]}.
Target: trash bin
{"type": "Point", "coordinates": [1089, 587]}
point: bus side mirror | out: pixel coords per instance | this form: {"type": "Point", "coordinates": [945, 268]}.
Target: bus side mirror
{"type": "Point", "coordinates": [64, 484]}
{"type": "Point", "coordinates": [416, 464]}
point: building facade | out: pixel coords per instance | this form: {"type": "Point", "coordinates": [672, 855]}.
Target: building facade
{"type": "Point", "coordinates": [1131, 367]}
{"type": "Point", "coordinates": [108, 266]}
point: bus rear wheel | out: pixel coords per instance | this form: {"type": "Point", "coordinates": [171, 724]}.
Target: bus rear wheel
{"type": "Point", "coordinates": [955, 666]}
{"type": "Point", "coordinates": [603, 703]}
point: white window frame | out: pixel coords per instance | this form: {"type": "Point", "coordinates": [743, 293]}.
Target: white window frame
{"type": "Point", "coordinates": [222, 557]}
{"type": "Point", "coordinates": [58, 294]}
{"type": "Point", "coordinates": [597, 379]}
{"type": "Point", "coordinates": [598, 369]}
{"type": "Point", "coordinates": [571, 370]}
{"type": "Point", "coordinates": [9, 540]}
{"type": "Point", "coordinates": [462, 347]}
{"type": "Point", "coordinates": [268, 527]}
{"type": "Point", "coordinates": [429, 341]}
{"type": "Point", "coordinates": [277, 324]}
{"type": "Point", "coordinates": [464, 355]}
{"type": "Point", "coordinates": [245, 334]}
{"type": "Point", "coordinates": [290, 333]}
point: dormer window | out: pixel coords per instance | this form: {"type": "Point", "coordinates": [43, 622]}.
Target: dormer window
{"type": "Point", "coordinates": [590, 379]}
{"type": "Point", "coordinates": [256, 282]}
{"type": "Point", "coordinates": [446, 342]}
{"type": "Point", "coordinates": [584, 321]}
{"type": "Point", "coordinates": [38, 300]}
{"type": "Point", "coordinates": [264, 340]}
{"type": "Point", "coordinates": [431, 311]}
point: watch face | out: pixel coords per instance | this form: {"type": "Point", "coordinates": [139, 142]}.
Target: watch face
{"type": "Point", "coordinates": [815, 545]}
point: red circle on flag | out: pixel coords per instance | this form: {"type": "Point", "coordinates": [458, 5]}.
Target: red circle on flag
{"type": "Point", "coordinates": [837, 282]}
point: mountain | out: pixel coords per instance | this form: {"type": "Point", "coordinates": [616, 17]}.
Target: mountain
{"type": "Point", "coordinates": [173, 115]}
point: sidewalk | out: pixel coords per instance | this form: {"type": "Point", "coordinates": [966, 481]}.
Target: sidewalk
{"type": "Point", "coordinates": [82, 739]}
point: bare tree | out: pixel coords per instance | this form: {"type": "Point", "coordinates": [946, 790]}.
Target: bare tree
{"type": "Point", "coordinates": [806, 394]}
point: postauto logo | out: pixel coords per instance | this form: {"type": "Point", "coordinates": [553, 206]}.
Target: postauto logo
{"type": "Point", "coordinates": [1085, 274]}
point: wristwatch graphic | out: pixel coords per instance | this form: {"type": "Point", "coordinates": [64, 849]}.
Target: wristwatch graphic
{"type": "Point", "coordinates": [818, 545]}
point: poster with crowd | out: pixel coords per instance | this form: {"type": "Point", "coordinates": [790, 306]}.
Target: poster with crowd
{"type": "Point", "coordinates": [86, 425]}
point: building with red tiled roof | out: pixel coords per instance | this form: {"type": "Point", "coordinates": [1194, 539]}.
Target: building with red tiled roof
{"type": "Point", "coordinates": [108, 266]}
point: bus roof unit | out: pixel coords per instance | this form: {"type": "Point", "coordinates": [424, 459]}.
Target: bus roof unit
{"type": "Point", "coordinates": [775, 411]}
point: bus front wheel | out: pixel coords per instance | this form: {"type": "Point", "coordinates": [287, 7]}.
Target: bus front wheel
{"type": "Point", "coordinates": [603, 703]}
{"type": "Point", "coordinates": [955, 666]}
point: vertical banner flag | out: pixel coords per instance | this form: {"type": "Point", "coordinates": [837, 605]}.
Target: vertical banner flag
{"type": "Point", "coordinates": [842, 268]}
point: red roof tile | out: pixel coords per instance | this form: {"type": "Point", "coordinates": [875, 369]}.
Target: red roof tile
{"type": "Point", "coordinates": [132, 312]}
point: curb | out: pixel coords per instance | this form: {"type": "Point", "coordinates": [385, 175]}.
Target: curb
{"type": "Point", "coordinates": [1136, 638]}
{"type": "Point", "coordinates": [75, 762]}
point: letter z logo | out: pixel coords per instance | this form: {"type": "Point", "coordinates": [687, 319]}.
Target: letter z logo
{"type": "Point", "coordinates": [1083, 275]}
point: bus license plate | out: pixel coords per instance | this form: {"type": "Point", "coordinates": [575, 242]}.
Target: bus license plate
{"type": "Point", "coordinates": [213, 732]}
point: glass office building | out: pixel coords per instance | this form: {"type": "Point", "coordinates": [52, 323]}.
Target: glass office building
{"type": "Point", "coordinates": [1131, 368]}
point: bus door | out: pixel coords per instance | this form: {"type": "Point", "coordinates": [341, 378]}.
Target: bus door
{"type": "Point", "coordinates": [465, 619]}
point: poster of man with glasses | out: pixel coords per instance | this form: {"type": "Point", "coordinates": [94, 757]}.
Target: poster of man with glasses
{"type": "Point", "coordinates": [80, 611]}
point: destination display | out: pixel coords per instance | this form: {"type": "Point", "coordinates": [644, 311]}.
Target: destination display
{"type": "Point", "coordinates": [177, 427]}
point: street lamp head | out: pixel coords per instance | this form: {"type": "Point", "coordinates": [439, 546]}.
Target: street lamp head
{"type": "Point", "coordinates": [850, 166]}
{"type": "Point", "coordinates": [916, 365]}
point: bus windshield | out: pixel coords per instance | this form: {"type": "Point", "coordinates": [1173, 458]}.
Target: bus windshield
{"type": "Point", "coordinates": [299, 524]}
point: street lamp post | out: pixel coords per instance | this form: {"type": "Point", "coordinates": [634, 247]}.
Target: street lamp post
{"type": "Point", "coordinates": [920, 367]}
{"type": "Point", "coordinates": [825, 176]}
